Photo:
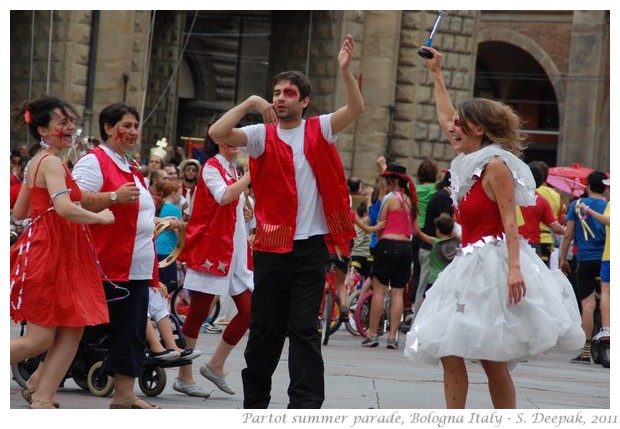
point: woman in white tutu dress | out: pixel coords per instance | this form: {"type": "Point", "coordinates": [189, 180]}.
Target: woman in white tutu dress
{"type": "Point", "coordinates": [497, 302]}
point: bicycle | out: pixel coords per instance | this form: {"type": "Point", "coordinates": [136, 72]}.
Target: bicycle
{"type": "Point", "coordinates": [362, 315]}
{"type": "Point", "coordinates": [353, 282]}
{"type": "Point", "coordinates": [329, 316]}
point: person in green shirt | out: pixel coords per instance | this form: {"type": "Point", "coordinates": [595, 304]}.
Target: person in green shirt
{"type": "Point", "coordinates": [444, 248]}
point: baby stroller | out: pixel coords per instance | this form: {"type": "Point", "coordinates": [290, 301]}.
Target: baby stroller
{"type": "Point", "coordinates": [86, 370]}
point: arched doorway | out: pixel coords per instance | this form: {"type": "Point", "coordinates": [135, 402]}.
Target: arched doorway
{"type": "Point", "coordinates": [512, 75]}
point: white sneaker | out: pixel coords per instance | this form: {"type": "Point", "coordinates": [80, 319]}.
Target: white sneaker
{"type": "Point", "coordinates": [189, 389]}
{"type": "Point", "coordinates": [220, 382]}
{"type": "Point", "coordinates": [604, 332]}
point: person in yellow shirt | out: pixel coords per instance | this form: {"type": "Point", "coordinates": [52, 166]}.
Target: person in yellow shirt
{"type": "Point", "coordinates": [547, 242]}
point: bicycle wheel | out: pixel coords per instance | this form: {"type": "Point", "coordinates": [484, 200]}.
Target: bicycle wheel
{"type": "Point", "coordinates": [352, 304]}
{"type": "Point", "coordinates": [362, 313]}
{"type": "Point", "coordinates": [326, 318]}
{"type": "Point", "coordinates": [179, 303]}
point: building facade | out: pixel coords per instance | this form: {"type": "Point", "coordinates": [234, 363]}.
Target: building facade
{"type": "Point", "coordinates": [182, 68]}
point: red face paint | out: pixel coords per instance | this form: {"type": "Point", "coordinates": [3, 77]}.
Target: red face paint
{"type": "Point", "coordinates": [290, 93]}
{"type": "Point", "coordinates": [59, 131]}
{"type": "Point", "coordinates": [120, 134]}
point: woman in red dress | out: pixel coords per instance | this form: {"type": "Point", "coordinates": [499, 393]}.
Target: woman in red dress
{"type": "Point", "coordinates": [55, 281]}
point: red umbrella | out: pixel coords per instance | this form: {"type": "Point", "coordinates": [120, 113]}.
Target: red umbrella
{"type": "Point", "coordinates": [572, 180]}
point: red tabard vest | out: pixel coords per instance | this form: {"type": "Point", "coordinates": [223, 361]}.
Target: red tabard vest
{"type": "Point", "coordinates": [210, 229]}
{"type": "Point", "coordinates": [273, 180]}
{"type": "Point", "coordinates": [114, 243]}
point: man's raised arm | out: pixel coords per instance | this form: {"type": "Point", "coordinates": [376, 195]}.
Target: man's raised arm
{"type": "Point", "coordinates": [354, 107]}
{"type": "Point", "coordinates": [224, 131]}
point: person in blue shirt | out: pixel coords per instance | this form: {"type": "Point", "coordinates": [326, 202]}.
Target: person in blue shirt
{"type": "Point", "coordinates": [589, 236]}
{"type": "Point", "coordinates": [167, 239]}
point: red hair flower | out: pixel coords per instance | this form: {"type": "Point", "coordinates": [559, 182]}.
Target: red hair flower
{"type": "Point", "coordinates": [27, 116]}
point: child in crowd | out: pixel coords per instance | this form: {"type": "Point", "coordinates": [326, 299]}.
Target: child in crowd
{"type": "Point", "coordinates": [444, 248]}
{"type": "Point", "coordinates": [158, 312]}
{"type": "Point", "coordinates": [167, 240]}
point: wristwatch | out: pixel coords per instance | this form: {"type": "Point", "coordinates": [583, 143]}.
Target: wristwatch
{"type": "Point", "coordinates": [113, 197]}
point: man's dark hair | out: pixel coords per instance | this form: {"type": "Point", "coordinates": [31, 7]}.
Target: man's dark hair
{"type": "Point", "coordinates": [354, 184]}
{"type": "Point", "coordinates": [298, 79]}
{"type": "Point", "coordinates": [595, 181]}
{"type": "Point", "coordinates": [537, 173]}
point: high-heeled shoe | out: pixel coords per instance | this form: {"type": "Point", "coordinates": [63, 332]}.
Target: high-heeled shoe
{"type": "Point", "coordinates": [27, 395]}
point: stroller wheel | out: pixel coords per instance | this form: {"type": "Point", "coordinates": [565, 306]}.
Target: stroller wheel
{"type": "Point", "coordinates": [152, 381]}
{"type": "Point", "coordinates": [99, 383]}
{"type": "Point", "coordinates": [604, 352]}
{"type": "Point", "coordinates": [595, 351]}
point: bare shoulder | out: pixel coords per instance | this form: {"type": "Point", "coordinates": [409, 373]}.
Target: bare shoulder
{"type": "Point", "coordinates": [496, 167]}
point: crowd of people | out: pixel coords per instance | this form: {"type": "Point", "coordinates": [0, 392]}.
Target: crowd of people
{"type": "Point", "coordinates": [460, 248]}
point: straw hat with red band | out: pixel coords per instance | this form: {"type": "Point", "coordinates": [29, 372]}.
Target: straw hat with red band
{"type": "Point", "coordinates": [400, 171]}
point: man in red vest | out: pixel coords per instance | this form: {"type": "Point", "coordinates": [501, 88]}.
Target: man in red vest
{"type": "Point", "coordinates": [301, 201]}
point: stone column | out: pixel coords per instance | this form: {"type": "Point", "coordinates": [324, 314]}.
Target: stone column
{"type": "Point", "coordinates": [587, 92]}
{"type": "Point", "coordinates": [378, 50]}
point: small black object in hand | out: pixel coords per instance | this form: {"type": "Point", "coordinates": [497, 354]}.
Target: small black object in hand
{"type": "Point", "coordinates": [425, 53]}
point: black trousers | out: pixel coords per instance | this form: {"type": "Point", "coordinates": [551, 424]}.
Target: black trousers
{"type": "Point", "coordinates": [288, 288]}
{"type": "Point", "coordinates": [128, 327]}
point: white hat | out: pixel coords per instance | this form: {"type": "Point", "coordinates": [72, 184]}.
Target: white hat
{"type": "Point", "coordinates": [606, 182]}
{"type": "Point", "coordinates": [160, 149]}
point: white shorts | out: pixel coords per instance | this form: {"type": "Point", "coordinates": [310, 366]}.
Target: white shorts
{"type": "Point", "coordinates": [158, 305]}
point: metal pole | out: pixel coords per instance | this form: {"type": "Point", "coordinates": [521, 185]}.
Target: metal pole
{"type": "Point", "coordinates": [49, 52]}
{"type": "Point", "coordinates": [92, 67]}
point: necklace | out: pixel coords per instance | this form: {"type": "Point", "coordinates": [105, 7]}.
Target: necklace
{"type": "Point", "coordinates": [123, 159]}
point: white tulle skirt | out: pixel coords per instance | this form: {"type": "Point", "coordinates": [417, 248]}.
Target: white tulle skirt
{"type": "Point", "coordinates": [466, 313]}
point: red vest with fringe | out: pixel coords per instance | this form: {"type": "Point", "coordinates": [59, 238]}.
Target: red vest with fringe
{"type": "Point", "coordinates": [273, 180]}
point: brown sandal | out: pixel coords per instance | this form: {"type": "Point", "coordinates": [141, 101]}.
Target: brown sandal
{"type": "Point", "coordinates": [42, 405]}
{"type": "Point", "coordinates": [27, 395]}
{"type": "Point", "coordinates": [132, 403]}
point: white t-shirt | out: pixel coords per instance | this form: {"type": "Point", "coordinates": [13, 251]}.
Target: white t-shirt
{"type": "Point", "coordinates": [88, 176]}
{"type": "Point", "coordinates": [310, 216]}
{"type": "Point", "coordinates": [239, 277]}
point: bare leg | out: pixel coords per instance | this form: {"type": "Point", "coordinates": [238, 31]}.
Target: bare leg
{"type": "Point", "coordinates": [35, 377]}
{"type": "Point", "coordinates": [587, 319]}
{"type": "Point", "coordinates": [455, 381]}
{"type": "Point", "coordinates": [152, 341]}
{"type": "Point", "coordinates": [501, 387]}
{"type": "Point", "coordinates": [605, 304]}
{"type": "Point", "coordinates": [165, 330]}
{"type": "Point", "coordinates": [365, 286]}
{"type": "Point", "coordinates": [37, 340]}
{"type": "Point", "coordinates": [217, 361]}
{"type": "Point", "coordinates": [185, 371]}
{"type": "Point", "coordinates": [396, 310]}
{"type": "Point", "coordinates": [376, 307]}
{"type": "Point", "coordinates": [57, 362]}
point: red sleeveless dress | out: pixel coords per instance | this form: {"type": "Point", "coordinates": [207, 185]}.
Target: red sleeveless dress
{"type": "Point", "coordinates": [55, 280]}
